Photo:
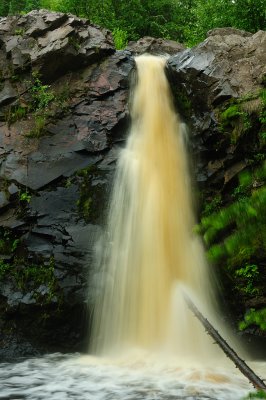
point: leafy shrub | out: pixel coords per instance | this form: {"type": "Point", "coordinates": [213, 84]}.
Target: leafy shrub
{"type": "Point", "coordinates": [120, 38]}
{"type": "Point", "coordinates": [254, 317]}
{"type": "Point", "coordinates": [41, 94]}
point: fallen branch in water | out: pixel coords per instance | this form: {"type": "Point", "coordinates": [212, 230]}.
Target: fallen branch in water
{"type": "Point", "coordinates": [239, 363]}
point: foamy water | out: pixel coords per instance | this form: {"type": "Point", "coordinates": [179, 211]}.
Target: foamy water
{"type": "Point", "coordinates": [60, 377]}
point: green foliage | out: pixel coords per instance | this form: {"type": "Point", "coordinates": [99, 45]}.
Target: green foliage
{"type": "Point", "coordinates": [41, 94]}
{"type": "Point", "coordinates": [262, 116]}
{"type": "Point", "coordinates": [84, 203]}
{"type": "Point", "coordinates": [238, 231]}
{"type": "Point", "coordinates": [262, 136]}
{"type": "Point", "coordinates": [25, 196]}
{"type": "Point", "coordinates": [8, 242]}
{"type": "Point", "coordinates": [260, 394]}
{"type": "Point", "coordinates": [16, 6]}
{"type": "Point", "coordinates": [85, 172]}
{"type": "Point", "coordinates": [30, 277]}
{"type": "Point", "coordinates": [85, 200]}
{"type": "Point", "coordinates": [236, 235]}
{"type": "Point", "coordinates": [120, 38]}
{"type": "Point", "coordinates": [185, 21]}
{"type": "Point", "coordinates": [19, 32]}
{"type": "Point", "coordinates": [39, 127]}
{"type": "Point", "coordinates": [15, 113]}
{"type": "Point", "coordinates": [183, 102]}
{"type": "Point", "coordinates": [74, 42]}
{"type": "Point", "coordinates": [41, 97]}
{"type": "Point", "coordinates": [4, 7]}
{"type": "Point", "coordinates": [212, 206]}
{"type": "Point", "coordinates": [236, 120]}
{"type": "Point", "coordinates": [84, 207]}
{"type": "Point", "coordinates": [27, 277]}
{"type": "Point", "coordinates": [247, 278]}
{"type": "Point", "coordinates": [4, 269]}
{"type": "Point", "coordinates": [230, 113]}
{"type": "Point", "coordinates": [254, 317]}
{"type": "Point", "coordinates": [245, 116]}
{"type": "Point", "coordinates": [246, 219]}
{"type": "Point", "coordinates": [249, 15]}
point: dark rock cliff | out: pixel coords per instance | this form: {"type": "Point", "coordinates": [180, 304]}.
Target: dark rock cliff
{"type": "Point", "coordinates": [63, 119]}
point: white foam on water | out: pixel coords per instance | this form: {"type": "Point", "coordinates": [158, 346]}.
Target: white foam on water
{"type": "Point", "coordinates": [136, 376]}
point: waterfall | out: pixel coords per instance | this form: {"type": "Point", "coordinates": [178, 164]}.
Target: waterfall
{"type": "Point", "coordinates": [151, 254]}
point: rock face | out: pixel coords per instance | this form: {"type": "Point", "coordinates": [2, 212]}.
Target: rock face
{"type": "Point", "coordinates": [229, 64]}
{"type": "Point", "coordinates": [51, 43]}
{"type": "Point", "coordinates": [54, 179]}
{"type": "Point", "coordinates": [154, 46]}
{"type": "Point", "coordinates": [63, 119]}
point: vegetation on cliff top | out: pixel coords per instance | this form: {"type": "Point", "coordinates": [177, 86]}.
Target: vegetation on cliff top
{"type": "Point", "coordinates": [186, 21]}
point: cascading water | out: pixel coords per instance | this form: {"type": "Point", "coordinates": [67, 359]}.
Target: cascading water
{"type": "Point", "coordinates": [151, 253]}
{"type": "Point", "coordinates": [151, 257]}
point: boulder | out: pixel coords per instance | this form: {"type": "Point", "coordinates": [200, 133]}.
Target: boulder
{"type": "Point", "coordinates": [52, 43]}
{"type": "Point", "coordinates": [154, 46]}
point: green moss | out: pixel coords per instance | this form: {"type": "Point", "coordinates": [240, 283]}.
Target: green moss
{"type": "Point", "coordinates": [212, 205]}
{"type": "Point", "coordinates": [4, 269]}
{"type": "Point", "coordinates": [183, 102]}
{"type": "Point", "coordinates": [260, 394]}
{"type": "Point", "coordinates": [243, 115]}
{"type": "Point", "coordinates": [84, 203]}
{"type": "Point", "coordinates": [230, 113]}
{"type": "Point", "coordinates": [236, 120]}
{"type": "Point", "coordinates": [15, 77]}
{"type": "Point", "coordinates": [28, 277]}
{"type": "Point", "coordinates": [254, 317]}
{"type": "Point", "coordinates": [84, 206]}
{"type": "Point", "coordinates": [8, 241]}
{"type": "Point", "coordinates": [85, 172]}
{"type": "Point", "coordinates": [24, 196]}
{"type": "Point", "coordinates": [41, 94]}
{"type": "Point", "coordinates": [62, 96]}
{"type": "Point", "coordinates": [39, 127]}
{"type": "Point", "coordinates": [15, 113]}
{"type": "Point", "coordinates": [19, 32]}
{"type": "Point", "coordinates": [74, 42]}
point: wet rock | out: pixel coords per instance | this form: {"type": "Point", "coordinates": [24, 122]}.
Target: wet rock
{"type": "Point", "coordinates": [13, 189]}
{"type": "Point", "coordinates": [9, 219]}
{"type": "Point", "coordinates": [8, 94]}
{"type": "Point", "coordinates": [234, 170]}
{"type": "Point", "coordinates": [227, 64]}
{"type": "Point", "coordinates": [228, 31]}
{"type": "Point", "coordinates": [3, 199]}
{"type": "Point", "coordinates": [155, 46]}
{"type": "Point", "coordinates": [14, 346]}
